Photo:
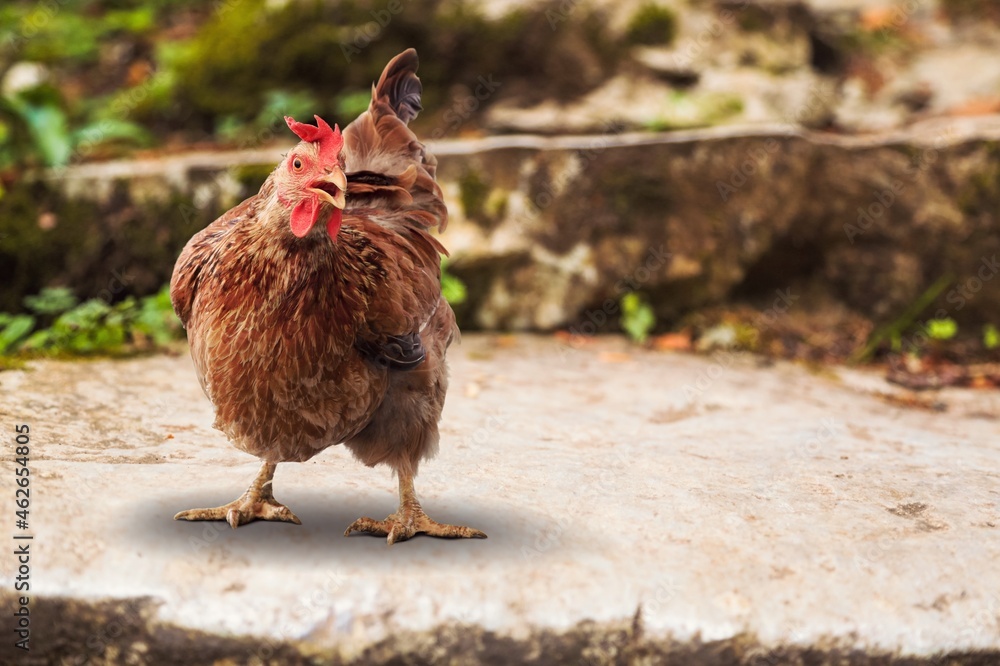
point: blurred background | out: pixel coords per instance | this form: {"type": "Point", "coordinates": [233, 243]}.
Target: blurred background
{"type": "Point", "coordinates": [817, 180]}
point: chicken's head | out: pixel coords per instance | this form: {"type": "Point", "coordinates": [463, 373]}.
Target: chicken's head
{"type": "Point", "coordinates": [311, 180]}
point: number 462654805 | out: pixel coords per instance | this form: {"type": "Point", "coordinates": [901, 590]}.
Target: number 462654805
{"type": "Point", "coordinates": [22, 494]}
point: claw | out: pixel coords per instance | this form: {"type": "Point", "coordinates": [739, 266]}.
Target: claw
{"type": "Point", "coordinates": [257, 503]}
{"type": "Point", "coordinates": [242, 511]}
{"type": "Point", "coordinates": [398, 528]}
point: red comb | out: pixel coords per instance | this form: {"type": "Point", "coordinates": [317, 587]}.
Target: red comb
{"type": "Point", "coordinates": [329, 139]}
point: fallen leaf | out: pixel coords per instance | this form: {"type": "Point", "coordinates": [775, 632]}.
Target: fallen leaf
{"type": "Point", "coordinates": [613, 357]}
{"type": "Point", "coordinates": [573, 339]}
{"type": "Point", "coordinates": [673, 342]}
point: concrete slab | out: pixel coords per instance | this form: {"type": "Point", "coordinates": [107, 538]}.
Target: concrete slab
{"type": "Point", "coordinates": [736, 503]}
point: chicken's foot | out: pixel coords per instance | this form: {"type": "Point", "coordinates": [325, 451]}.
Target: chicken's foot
{"type": "Point", "coordinates": [257, 503]}
{"type": "Point", "coordinates": [410, 519]}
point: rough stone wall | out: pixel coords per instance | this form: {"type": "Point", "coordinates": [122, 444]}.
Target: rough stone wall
{"type": "Point", "coordinates": [550, 232]}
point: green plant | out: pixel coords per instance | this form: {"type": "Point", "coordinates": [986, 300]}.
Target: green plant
{"type": "Point", "coordinates": [276, 105]}
{"type": "Point", "coordinates": [452, 288]}
{"type": "Point", "coordinates": [894, 330]}
{"type": "Point", "coordinates": [991, 336]}
{"type": "Point", "coordinates": [687, 110]}
{"type": "Point", "coordinates": [638, 318]}
{"type": "Point", "coordinates": [51, 301]}
{"type": "Point", "coordinates": [35, 128]}
{"type": "Point", "coordinates": [352, 104]}
{"type": "Point", "coordinates": [156, 319]}
{"type": "Point", "coordinates": [91, 327]}
{"type": "Point", "coordinates": [942, 329]}
{"type": "Point", "coordinates": [13, 329]}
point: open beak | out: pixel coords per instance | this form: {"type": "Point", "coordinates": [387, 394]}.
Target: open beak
{"type": "Point", "coordinates": [332, 188]}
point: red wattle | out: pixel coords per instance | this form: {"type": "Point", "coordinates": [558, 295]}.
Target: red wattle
{"type": "Point", "coordinates": [333, 226]}
{"type": "Point", "coordinates": [304, 216]}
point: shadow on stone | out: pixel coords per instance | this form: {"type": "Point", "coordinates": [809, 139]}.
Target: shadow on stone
{"type": "Point", "coordinates": [515, 532]}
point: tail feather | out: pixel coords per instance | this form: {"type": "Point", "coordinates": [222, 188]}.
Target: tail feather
{"type": "Point", "coordinates": [399, 86]}
{"type": "Point", "coordinates": [386, 165]}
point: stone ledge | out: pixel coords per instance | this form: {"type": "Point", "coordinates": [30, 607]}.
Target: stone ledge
{"type": "Point", "coordinates": [729, 501]}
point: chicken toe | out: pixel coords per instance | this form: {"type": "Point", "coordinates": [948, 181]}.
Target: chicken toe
{"type": "Point", "coordinates": [399, 527]}
{"type": "Point", "coordinates": [257, 503]}
{"type": "Point", "coordinates": [409, 520]}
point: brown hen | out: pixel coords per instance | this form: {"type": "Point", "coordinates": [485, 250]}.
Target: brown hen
{"type": "Point", "coordinates": [315, 319]}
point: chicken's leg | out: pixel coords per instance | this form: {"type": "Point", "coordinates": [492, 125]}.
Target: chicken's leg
{"type": "Point", "coordinates": [410, 519]}
{"type": "Point", "coordinates": [257, 503]}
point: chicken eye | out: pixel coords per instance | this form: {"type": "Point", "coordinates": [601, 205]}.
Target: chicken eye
{"type": "Point", "coordinates": [297, 164]}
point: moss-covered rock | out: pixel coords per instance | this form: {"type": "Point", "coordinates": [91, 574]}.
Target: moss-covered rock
{"type": "Point", "coordinates": [111, 247]}
{"type": "Point", "coordinates": [337, 49]}
{"type": "Point", "coordinates": [544, 235]}
{"type": "Point", "coordinates": [652, 24]}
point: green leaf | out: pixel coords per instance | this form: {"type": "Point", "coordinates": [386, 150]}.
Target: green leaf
{"type": "Point", "coordinates": [280, 103]}
{"type": "Point", "coordinates": [38, 340]}
{"type": "Point", "coordinates": [135, 21]}
{"type": "Point", "coordinates": [991, 336]}
{"type": "Point", "coordinates": [638, 318]}
{"type": "Point", "coordinates": [902, 322]}
{"type": "Point", "coordinates": [51, 301]}
{"type": "Point", "coordinates": [352, 104]}
{"type": "Point", "coordinates": [942, 329]}
{"type": "Point", "coordinates": [156, 318]}
{"type": "Point", "coordinates": [453, 289]}
{"type": "Point", "coordinates": [112, 129]}
{"type": "Point", "coordinates": [50, 132]}
{"type": "Point", "coordinates": [16, 328]}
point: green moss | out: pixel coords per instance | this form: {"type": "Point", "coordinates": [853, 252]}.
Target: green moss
{"type": "Point", "coordinates": [7, 363]}
{"type": "Point", "coordinates": [496, 204]}
{"type": "Point", "coordinates": [473, 193]}
{"type": "Point", "coordinates": [334, 50]}
{"type": "Point", "coordinates": [653, 25]}
{"type": "Point", "coordinates": [747, 336]}
{"type": "Point", "coordinates": [697, 111]}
